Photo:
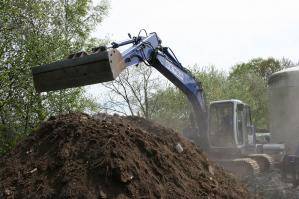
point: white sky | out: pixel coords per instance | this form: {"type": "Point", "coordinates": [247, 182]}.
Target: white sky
{"type": "Point", "coordinates": [208, 32]}
{"type": "Point", "coordinates": [218, 32]}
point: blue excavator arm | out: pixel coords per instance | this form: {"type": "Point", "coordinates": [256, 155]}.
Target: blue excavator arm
{"type": "Point", "coordinates": [106, 63]}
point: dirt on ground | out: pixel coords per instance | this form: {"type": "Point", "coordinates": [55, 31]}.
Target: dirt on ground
{"type": "Point", "coordinates": [269, 185]}
{"type": "Point", "coordinates": [79, 156]}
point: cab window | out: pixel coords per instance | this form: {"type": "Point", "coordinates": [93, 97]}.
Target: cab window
{"type": "Point", "coordinates": [221, 129]}
{"type": "Point", "coordinates": [241, 118]}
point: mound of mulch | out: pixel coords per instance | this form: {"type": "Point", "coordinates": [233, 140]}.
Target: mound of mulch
{"type": "Point", "coordinates": [79, 156]}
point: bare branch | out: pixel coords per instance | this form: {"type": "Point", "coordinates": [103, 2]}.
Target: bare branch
{"type": "Point", "coordinates": [134, 87]}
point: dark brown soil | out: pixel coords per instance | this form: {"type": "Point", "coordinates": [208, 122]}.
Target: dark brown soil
{"type": "Point", "coordinates": [77, 156]}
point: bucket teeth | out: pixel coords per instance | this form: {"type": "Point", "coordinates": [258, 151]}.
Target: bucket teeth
{"type": "Point", "coordinates": [77, 55]}
{"type": "Point", "coordinates": [99, 49]}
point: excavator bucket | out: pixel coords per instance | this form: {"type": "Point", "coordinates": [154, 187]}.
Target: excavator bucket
{"type": "Point", "coordinates": [79, 70]}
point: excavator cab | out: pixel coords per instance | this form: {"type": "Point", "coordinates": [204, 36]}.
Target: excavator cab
{"type": "Point", "coordinates": [230, 124]}
{"type": "Point", "coordinates": [231, 137]}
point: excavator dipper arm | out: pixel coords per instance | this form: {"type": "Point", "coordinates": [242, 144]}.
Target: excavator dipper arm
{"type": "Point", "coordinates": [167, 64]}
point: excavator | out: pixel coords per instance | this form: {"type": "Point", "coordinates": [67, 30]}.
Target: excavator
{"type": "Point", "coordinates": [224, 130]}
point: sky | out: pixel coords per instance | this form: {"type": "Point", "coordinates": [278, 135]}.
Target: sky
{"type": "Point", "coordinates": [210, 32]}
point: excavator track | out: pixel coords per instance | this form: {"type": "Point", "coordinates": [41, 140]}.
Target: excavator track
{"type": "Point", "coordinates": [264, 161]}
{"type": "Point", "coordinates": [241, 167]}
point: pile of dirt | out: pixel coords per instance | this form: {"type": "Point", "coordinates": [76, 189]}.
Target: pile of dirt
{"type": "Point", "coordinates": [78, 156]}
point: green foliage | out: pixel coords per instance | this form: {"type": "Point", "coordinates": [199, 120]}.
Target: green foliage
{"type": "Point", "coordinates": [246, 82]}
{"type": "Point", "coordinates": [262, 67]}
{"type": "Point", "coordinates": [252, 89]}
{"type": "Point", "coordinates": [213, 82]}
{"type": "Point", "coordinates": [172, 107]}
{"type": "Point", "coordinates": [8, 138]}
{"type": "Point", "coordinates": [35, 32]}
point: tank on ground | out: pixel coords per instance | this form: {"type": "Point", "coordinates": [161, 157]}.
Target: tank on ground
{"type": "Point", "coordinates": [284, 107]}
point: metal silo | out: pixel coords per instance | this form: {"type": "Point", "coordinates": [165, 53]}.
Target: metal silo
{"type": "Point", "coordinates": [284, 107]}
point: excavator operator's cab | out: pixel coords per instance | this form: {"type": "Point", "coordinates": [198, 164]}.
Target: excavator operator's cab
{"type": "Point", "coordinates": [230, 124]}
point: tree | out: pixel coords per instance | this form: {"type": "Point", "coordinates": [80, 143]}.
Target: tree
{"type": "Point", "coordinates": [251, 89]}
{"type": "Point", "coordinates": [248, 82]}
{"type": "Point", "coordinates": [129, 94]}
{"type": "Point", "coordinates": [35, 32]}
{"type": "Point", "coordinates": [172, 106]}
{"type": "Point", "coordinates": [169, 106]}
{"type": "Point", "coordinates": [262, 67]}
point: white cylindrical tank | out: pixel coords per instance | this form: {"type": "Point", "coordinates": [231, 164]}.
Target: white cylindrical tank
{"type": "Point", "coordinates": [284, 107]}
